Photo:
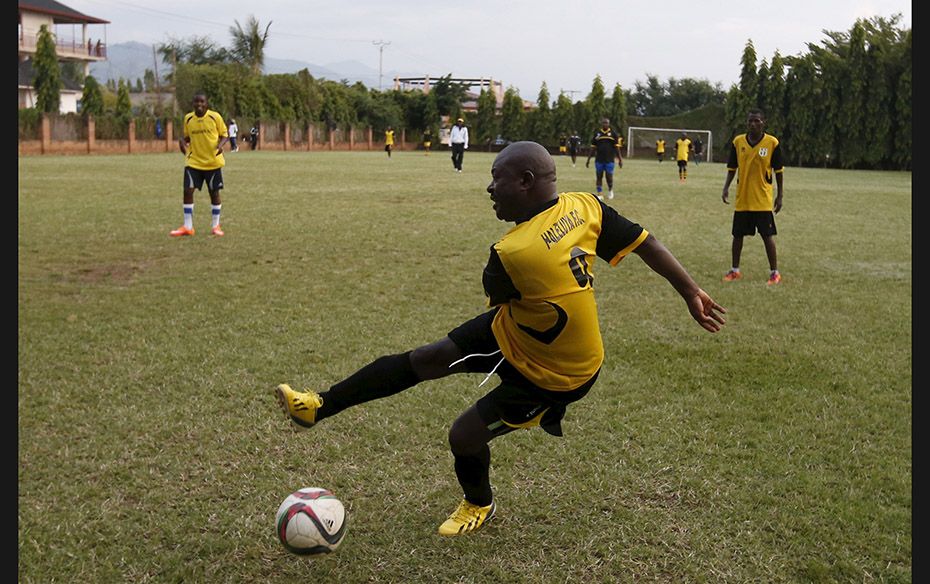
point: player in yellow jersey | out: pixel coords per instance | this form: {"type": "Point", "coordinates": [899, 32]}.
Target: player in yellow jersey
{"type": "Point", "coordinates": [204, 134]}
{"type": "Point", "coordinates": [756, 157]}
{"type": "Point", "coordinates": [660, 149]}
{"type": "Point", "coordinates": [389, 140]}
{"type": "Point", "coordinates": [427, 140]}
{"type": "Point", "coordinates": [683, 149]}
{"type": "Point", "coordinates": [541, 335]}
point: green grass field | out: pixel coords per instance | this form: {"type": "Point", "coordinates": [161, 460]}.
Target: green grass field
{"type": "Point", "coordinates": [151, 448]}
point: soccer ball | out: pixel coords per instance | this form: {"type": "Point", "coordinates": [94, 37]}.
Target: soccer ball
{"type": "Point", "coordinates": [311, 521]}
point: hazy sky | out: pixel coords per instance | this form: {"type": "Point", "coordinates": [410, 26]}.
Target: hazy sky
{"type": "Point", "coordinates": [522, 43]}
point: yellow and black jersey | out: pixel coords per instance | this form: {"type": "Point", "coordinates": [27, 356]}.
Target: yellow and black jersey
{"type": "Point", "coordinates": [682, 147]}
{"type": "Point", "coordinates": [755, 166]}
{"type": "Point", "coordinates": [574, 142]}
{"type": "Point", "coordinates": [542, 273]}
{"type": "Point", "coordinates": [389, 138]}
{"type": "Point", "coordinates": [204, 134]}
{"type": "Point", "coordinates": [605, 144]}
{"type": "Point", "coordinates": [660, 146]}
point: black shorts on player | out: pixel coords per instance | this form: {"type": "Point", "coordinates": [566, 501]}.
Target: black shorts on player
{"type": "Point", "coordinates": [194, 179]}
{"type": "Point", "coordinates": [516, 402]}
{"type": "Point", "coordinates": [747, 222]}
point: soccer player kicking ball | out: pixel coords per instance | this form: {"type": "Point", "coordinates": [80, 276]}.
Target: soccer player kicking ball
{"type": "Point", "coordinates": [541, 335]}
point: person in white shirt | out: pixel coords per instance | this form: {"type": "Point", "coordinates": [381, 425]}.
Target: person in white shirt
{"type": "Point", "coordinates": [233, 135]}
{"type": "Point", "coordinates": [458, 139]}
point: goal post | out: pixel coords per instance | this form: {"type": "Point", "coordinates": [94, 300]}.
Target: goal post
{"type": "Point", "coordinates": [642, 140]}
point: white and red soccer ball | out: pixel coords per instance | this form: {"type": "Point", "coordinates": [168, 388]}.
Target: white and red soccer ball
{"type": "Point", "coordinates": [311, 521]}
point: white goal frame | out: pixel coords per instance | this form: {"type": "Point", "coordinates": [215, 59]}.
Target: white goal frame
{"type": "Point", "coordinates": [674, 132]}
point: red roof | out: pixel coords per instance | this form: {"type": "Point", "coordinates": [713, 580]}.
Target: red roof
{"type": "Point", "coordinates": [60, 13]}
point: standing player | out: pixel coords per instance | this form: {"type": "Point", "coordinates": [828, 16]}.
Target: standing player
{"type": "Point", "coordinates": [563, 144]}
{"type": "Point", "coordinates": [233, 132]}
{"type": "Point", "coordinates": [389, 140]}
{"type": "Point", "coordinates": [756, 156]}
{"type": "Point", "coordinates": [541, 335]}
{"type": "Point", "coordinates": [605, 147]}
{"type": "Point", "coordinates": [204, 135]}
{"type": "Point", "coordinates": [574, 145]}
{"type": "Point", "coordinates": [698, 150]}
{"type": "Point", "coordinates": [660, 149]}
{"type": "Point", "coordinates": [458, 140]}
{"type": "Point", "coordinates": [682, 150]}
{"type": "Point", "coordinates": [427, 140]}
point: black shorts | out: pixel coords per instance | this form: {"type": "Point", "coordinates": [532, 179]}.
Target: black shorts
{"type": "Point", "coordinates": [682, 163]}
{"type": "Point", "coordinates": [747, 222]}
{"type": "Point", "coordinates": [387, 147]}
{"type": "Point", "coordinates": [194, 178]}
{"type": "Point", "coordinates": [517, 402]}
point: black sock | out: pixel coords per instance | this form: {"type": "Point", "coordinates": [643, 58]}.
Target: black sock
{"type": "Point", "coordinates": [382, 377]}
{"type": "Point", "coordinates": [473, 473]}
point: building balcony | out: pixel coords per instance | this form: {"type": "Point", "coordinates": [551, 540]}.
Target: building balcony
{"type": "Point", "coordinates": [68, 49]}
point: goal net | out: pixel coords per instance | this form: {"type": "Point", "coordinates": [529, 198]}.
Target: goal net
{"type": "Point", "coordinates": [642, 141]}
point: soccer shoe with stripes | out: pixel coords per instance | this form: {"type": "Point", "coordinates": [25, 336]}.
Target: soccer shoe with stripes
{"type": "Point", "coordinates": [467, 517]}
{"type": "Point", "coordinates": [774, 278]}
{"type": "Point", "coordinates": [218, 231]}
{"type": "Point", "coordinates": [299, 407]}
{"type": "Point", "coordinates": [182, 231]}
{"type": "Point", "coordinates": [732, 275]}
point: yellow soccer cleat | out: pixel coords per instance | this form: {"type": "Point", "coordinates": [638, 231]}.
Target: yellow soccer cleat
{"type": "Point", "coordinates": [467, 517]}
{"type": "Point", "coordinates": [299, 407]}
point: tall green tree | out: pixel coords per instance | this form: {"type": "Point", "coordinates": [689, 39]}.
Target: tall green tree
{"type": "Point", "coordinates": [486, 120]}
{"type": "Point", "coordinates": [851, 138]}
{"type": "Point", "coordinates": [540, 120]}
{"type": "Point", "coordinates": [47, 82]}
{"type": "Point", "coordinates": [512, 117]}
{"type": "Point", "coordinates": [449, 96]}
{"type": "Point", "coordinates": [596, 102]}
{"type": "Point", "coordinates": [616, 110]}
{"type": "Point", "coordinates": [91, 97]}
{"type": "Point", "coordinates": [123, 104]}
{"type": "Point", "coordinates": [774, 101]}
{"type": "Point", "coordinates": [562, 115]}
{"type": "Point", "coordinates": [248, 43]}
{"type": "Point", "coordinates": [878, 109]}
{"type": "Point", "coordinates": [801, 104]}
{"type": "Point", "coordinates": [902, 108]}
{"type": "Point", "coordinates": [747, 91]}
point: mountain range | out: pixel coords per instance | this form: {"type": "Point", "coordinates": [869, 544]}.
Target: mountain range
{"type": "Point", "coordinates": [130, 60]}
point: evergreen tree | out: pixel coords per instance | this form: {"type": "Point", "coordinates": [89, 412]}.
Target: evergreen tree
{"type": "Point", "coordinates": [541, 129]}
{"type": "Point", "coordinates": [774, 101]}
{"type": "Point", "coordinates": [562, 115]}
{"type": "Point", "coordinates": [902, 109]}
{"type": "Point", "coordinates": [616, 110]}
{"type": "Point", "coordinates": [148, 81]}
{"type": "Point", "coordinates": [584, 122]}
{"type": "Point", "coordinates": [91, 98]}
{"type": "Point", "coordinates": [801, 103]}
{"type": "Point", "coordinates": [851, 136]}
{"type": "Point", "coordinates": [123, 104]}
{"type": "Point", "coordinates": [596, 102]}
{"type": "Point", "coordinates": [512, 122]}
{"type": "Point", "coordinates": [747, 93]}
{"type": "Point", "coordinates": [486, 123]}
{"type": "Point", "coordinates": [47, 82]}
{"type": "Point", "coordinates": [878, 110]}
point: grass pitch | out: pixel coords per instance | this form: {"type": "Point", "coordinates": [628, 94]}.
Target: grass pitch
{"type": "Point", "coordinates": [151, 448]}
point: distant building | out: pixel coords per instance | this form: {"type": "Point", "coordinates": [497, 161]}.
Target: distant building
{"type": "Point", "coordinates": [74, 41]}
{"type": "Point", "coordinates": [470, 104]}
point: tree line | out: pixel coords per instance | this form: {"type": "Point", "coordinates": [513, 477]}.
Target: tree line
{"type": "Point", "coordinates": [845, 103]}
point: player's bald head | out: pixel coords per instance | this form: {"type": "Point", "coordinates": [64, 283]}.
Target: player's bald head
{"type": "Point", "coordinates": [521, 157]}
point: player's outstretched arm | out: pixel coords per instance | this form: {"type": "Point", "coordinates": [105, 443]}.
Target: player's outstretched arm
{"type": "Point", "coordinates": [702, 307]}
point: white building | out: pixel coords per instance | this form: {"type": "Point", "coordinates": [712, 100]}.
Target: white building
{"type": "Point", "coordinates": [74, 41]}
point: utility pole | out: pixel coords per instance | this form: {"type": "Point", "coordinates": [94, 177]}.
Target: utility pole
{"type": "Point", "coordinates": [571, 93]}
{"type": "Point", "coordinates": [380, 45]}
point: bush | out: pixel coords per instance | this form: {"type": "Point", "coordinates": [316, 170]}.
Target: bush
{"type": "Point", "coordinates": [30, 124]}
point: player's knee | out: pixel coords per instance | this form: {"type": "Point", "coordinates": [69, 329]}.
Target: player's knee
{"type": "Point", "coordinates": [432, 361]}
{"type": "Point", "coordinates": [463, 440]}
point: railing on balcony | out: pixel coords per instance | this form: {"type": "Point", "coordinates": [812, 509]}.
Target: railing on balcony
{"type": "Point", "coordinates": [92, 50]}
